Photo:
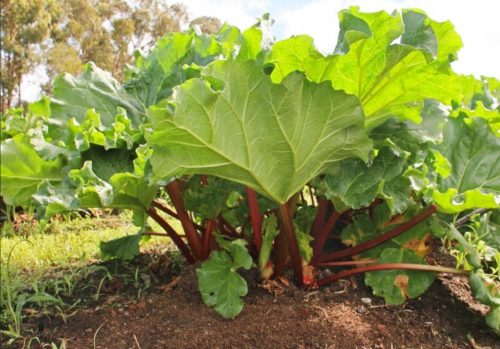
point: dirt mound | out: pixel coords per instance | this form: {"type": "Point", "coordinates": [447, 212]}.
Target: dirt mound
{"type": "Point", "coordinates": [344, 315]}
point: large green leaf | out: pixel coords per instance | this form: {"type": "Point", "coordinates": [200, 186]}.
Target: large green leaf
{"type": "Point", "coordinates": [271, 137]}
{"type": "Point", "coordinates": [391, 80]}
{"type": "Point", "coordinates": [22, 170]}
{"type": "Point", "coordinates": [439, 39]}
{"type": "Point", "coordinates": [290, 55]}
{"type": "Point", "coordinates": [238, 251]}
{"type": "Point", "coordinates": [398, 285]}
{"type": "Point", "coordinates": [96, 89]}
{"type": "Point", "coordinates": [91, 131]}
{"type": "Point", "coordinates": [92, 191]}
{"type": "Point", "coordinates": [122, 190]}
{"type": "Point", "coordinates": [106, 163]}
{"type": "Point", "coordinates": [179, 56]}
{"type": "Point", "coordinates": [473, 151]}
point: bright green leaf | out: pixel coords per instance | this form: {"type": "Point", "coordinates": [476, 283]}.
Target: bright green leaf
{"type": "Point", "coordinates": [273, 138]}
{"type": "Point", "coordinates": [22, 170]}
{"type": "Point", "coordinates": [220, 285]}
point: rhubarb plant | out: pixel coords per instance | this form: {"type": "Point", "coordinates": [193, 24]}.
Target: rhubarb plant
{"type": "Point", "coordinates": [274, 155]}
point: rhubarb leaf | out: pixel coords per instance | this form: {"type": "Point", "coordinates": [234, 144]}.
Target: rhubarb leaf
{"type": "Point", "coordinates": [97, 89]}
{"type": "Point", "coordinates": [395, 286]}
{"type": "Point", "coordinates": [271, 137]}
{"type": "Point", "coordinates": [220, 285]}
{"type": "Point", "coordinates": [390, 79]}
{"type": "Point", "coordinates": [357, 184]}
{"type": "Point", "coordinates": [51, 199]}
{"type": "Point", "coordinates": [22, 170]}
{"type": "Point", "coordinates": [124, 248]}
{"type": "Point", "coordinates": [473, 150]}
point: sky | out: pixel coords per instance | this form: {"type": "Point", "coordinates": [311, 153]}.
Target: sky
{"type": "Point", "coordinates": [476, 22]}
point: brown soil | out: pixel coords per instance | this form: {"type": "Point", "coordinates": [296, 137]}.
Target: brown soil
{"type": "Point", "coordinates": [173, 316]}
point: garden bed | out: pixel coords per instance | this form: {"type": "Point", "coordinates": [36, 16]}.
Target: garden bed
{"type": "Point", "coordinates": [172, 315]}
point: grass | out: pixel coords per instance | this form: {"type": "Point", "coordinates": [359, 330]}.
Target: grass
{"type": "Point", "coordinates": [64, 243]}
{"type": "Point", "coordinates": [42, 262]}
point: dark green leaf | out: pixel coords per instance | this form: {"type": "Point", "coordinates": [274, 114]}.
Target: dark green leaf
{"type": "Point", "coordinates": [124, 248]}
{"type": "Point", "coordinates": [395, 286]}
{"type": "Point", "coordinates": [473, 151]}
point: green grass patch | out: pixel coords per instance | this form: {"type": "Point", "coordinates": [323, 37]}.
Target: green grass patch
{"type": "Point", "coordinates": [65, 243]}
{"type": "Point", "coordinates": [41, 262]}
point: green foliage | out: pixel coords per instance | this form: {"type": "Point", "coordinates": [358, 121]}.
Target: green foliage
{"type": "Point", "coordinates": [212, 199]}
{"type": "Point", "coordinates": [97, 89]}
{"type": "Point", "coordinates": [214, 132]}
{"type": "Point", "coordinates": [398, 285]}
{"type": "Point", "coordinates": [370, 138]}
{"type": "Point", "coordinates": [23, 170]}
{"type": "Point", "coordinates": [390, 80]}
{"type": "Point", "coordinates": [220, 285]}
{"type": "Point", "coordinates": [472, 150]}
{"type": "Point", "coordinates": [357, 184]}
{"type": "Point", "coordinates": [270, 231]}
{"type": "Point", "coordinates": [124, 248]}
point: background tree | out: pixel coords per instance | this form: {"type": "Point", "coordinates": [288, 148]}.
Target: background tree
{"type": "Point", "coordinates": [208, 25]}
{"type": "Point", "coordinates": [109, 32]}
{"type": "Point", "coordinates": [26, 25]}
{"type": "Point", "coordinates": [62, 35]}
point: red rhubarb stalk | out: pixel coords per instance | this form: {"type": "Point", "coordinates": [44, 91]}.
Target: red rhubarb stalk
{"type": "Point", "coordinates": [227, 225]}
{"type": "Point", "coordinates": [192, 236]}
{"type": "Point", "coordinates": [388, 266]}
{"type": "Point", "coordinates": [168, 211]}
{"type": "Point", "coordinates": [207, 235]}
{"type": "Point", "coordinates": [380, 239]}
{"type": "Point", "coordinates": [181, 245]}
{"type": "Point", "coordinates": [286, 223]}
{"type": "Point", "coordinates": [319, 219]}
{"type": "Point", "coordinates": [346, 263]}
{"type": "Point", "coordinates": [319, 241]}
